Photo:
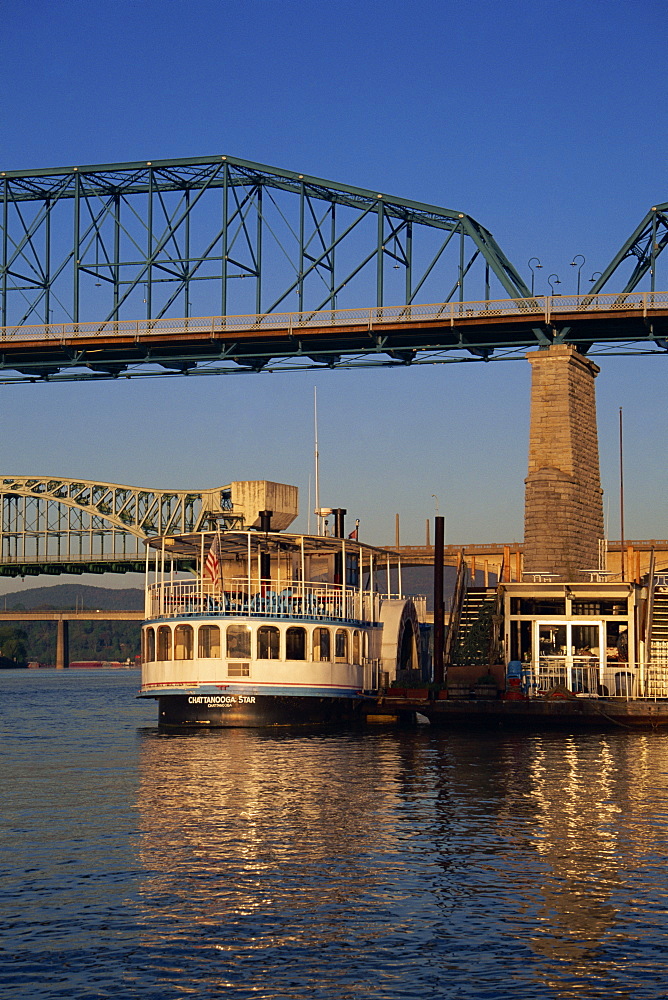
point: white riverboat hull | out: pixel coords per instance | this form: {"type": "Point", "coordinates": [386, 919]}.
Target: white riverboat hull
{"type": "Point", "coordinates": [274, 630]}
{"type": "Point", "coordinates": [226, 711]}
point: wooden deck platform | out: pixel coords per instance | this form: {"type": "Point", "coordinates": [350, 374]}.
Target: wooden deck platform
{"type": "Point", "coordinates": [546, 712]}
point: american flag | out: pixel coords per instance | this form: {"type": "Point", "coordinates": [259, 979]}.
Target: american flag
{"type": "Point", "coordinates": [212, 564]}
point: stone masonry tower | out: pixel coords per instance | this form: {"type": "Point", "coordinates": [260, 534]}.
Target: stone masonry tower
{"type": "Point", "coordinates": [563, 507]}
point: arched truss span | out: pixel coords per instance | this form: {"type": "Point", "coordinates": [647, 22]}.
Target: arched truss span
{"type": "Point", "coordinates": [68, 523]}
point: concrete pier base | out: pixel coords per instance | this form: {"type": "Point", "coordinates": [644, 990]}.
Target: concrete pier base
{"type": "Point", "coordinates": [62, 645]}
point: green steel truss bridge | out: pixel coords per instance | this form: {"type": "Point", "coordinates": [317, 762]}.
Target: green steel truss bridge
{"type": "Point", "coordinates": [77, 526]}
{"type": "Point", "coordinates": [218, 265]}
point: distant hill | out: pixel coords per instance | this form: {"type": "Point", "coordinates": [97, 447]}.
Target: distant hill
{"type": "Point", "coordinates": [70, 596]}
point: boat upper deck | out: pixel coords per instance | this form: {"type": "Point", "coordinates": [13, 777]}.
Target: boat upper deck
{"type": "Point", "coordinates": [264, 574]}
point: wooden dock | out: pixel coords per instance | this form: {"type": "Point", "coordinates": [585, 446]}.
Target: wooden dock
{"type": "Point", "coordinates": [545, 712]}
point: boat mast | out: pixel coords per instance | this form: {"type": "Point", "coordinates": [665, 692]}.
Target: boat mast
{"type": "Point", "coordinates": [317, 467]}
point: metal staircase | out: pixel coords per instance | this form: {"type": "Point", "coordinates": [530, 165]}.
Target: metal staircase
{"type": "Point", "coordinates": [660, 619]}
{"type": "Point", "coordinates": [473, 643]}
{"type": "Point", "coordinates": [657, 673]}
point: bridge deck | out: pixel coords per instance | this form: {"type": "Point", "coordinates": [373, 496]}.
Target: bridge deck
{"type": "Point", "coordinates": [397, 334]}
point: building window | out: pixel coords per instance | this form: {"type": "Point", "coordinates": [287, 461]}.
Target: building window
{"type": "Point", "coordinates": [356, 647]}
{"type": "Point", "coordinates": [268, 642]}
{"type": "Point", "coordinates": [597, 609]}
{"type": "Point", "coordinates": [534, 606]}
{"type": "Point", "coordinates": [520, 641]}
{"type": "Point", "coordinates": [238, 641]}
{"type": "Point", "coordinates": [208, 641]}
{"type": "Point", "coordinates": [341, 645]}
{"type": "Point", "coordinates": [164, 642]}
{"type": "Point", "coordinates": [183, 642]}
{"type": "Point", "coordinates": [295, 643]}
{"type": "Point", "coordinates": [322, 645]}
{"type": "Point", "coordinates": [238, 669]}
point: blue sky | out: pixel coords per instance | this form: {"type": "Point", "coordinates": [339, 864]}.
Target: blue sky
{"type": "Point", "coordinates": [545, 122]}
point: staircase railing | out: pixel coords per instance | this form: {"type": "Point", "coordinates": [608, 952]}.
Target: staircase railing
{"type": "Point", "coordinates": [456, 609]}
{"type": "Point", "coordinates": [496, 632]}
{"type": "Point", "coordinates": [650, 608]}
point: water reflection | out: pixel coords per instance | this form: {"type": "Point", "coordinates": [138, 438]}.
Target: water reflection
{"type": "Point", "coordinates": [370, 865]}
{"type": "Point", "coordinates": [599, 807]}
{"type": "Point", "coordinates": [263, 848]}
{"type": "Point", "coordinates": [403, 860]}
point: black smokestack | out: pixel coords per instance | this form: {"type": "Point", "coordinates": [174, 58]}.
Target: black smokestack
{"type": "Point", "coordinates": [339, 514]}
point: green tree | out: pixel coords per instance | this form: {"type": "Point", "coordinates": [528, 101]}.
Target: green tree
{"type": "Point", "coordinates": [13, 644]}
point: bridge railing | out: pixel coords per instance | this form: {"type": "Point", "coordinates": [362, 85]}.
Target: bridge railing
{"type": "Point", "coordinates": [541, 307]}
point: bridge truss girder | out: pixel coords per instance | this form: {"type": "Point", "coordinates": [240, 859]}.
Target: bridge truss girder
{"type": "Point", "coordinates": [175, 238]}
{"type": "Point", "coordinates": [161, 238]}
{"type": "Point", "coordinates": [646, 242]}
{"type": "Point", "coordinates": [65, 525]}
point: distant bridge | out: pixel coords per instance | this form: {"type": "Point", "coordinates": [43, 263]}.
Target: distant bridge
{"type": "Point", "coordinates": [493, 559]}
{"type": "Point", "coordinates": [71, 616]}
{"type": "Point", "coordinates": [63, 619]}
{"type": "Point", "coordinates": [58, 525]}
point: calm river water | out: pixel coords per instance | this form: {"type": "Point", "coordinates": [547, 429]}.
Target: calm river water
{"type": "Point", "coordinates": [374, 864]}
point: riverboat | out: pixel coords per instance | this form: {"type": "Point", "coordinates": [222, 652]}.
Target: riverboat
{"type": "Point", "coordinates": [271, 628]}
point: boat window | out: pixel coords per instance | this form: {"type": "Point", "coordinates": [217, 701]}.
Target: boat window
{"type": "Point", "coordinates": [295, 643]}
{"type": "Point", "coordinates": [268, 642]}
{"type": "Point", "coordinates": [164, 642]}
{"type": "Point", "coordinates": [341, 645]}
{"type": "Point", "coordinates": [238, 641]}
{"type": "Point", "coordinates": [149, 645]}
{"type": "Point", "coordinates": [208, 641]}
{"type": "Point", "coordinates": [183, 642]}
{"type": "Point", "coordinates": [356, 647]}
{"type": "Point", "coordinates": [322, 645]}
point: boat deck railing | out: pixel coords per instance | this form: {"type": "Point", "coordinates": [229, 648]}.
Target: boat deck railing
{"type": "Point", "coordinates": [243, 598]}
{"type": "Point", "coordinates": [648, 681]}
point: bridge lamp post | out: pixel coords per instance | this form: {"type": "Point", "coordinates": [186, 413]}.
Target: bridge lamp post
{"type": "Point", "coordinates": [556, 282]}
{"type": "Point", "coordinates": [574, 263]}
{"type": "Point", "coordinates": [595, 275]}
{"type": "Point", "coordinates": [533, 273]}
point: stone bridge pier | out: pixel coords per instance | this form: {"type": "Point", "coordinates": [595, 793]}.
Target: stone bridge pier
{"type": "Point", "coordinates": [563, 508]}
